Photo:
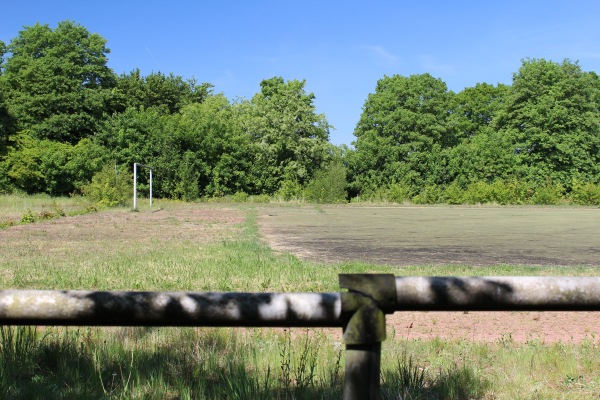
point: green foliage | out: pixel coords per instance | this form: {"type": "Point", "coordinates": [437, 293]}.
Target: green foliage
{"type": "Point", "coordinates": [187, 187]}
{"type": "Point", "coordinates": [586, 194]}
{"type": "Point", "coordinates": [198, 152]}
{"type": "Point", "coordinates": [8, 124]}
{"type": "Point", "coordinates": [28, 217]}
{"type": "Point", "coordinates": [58, 85]}
{"type": "Point", "coordinates": [549, 194]}
{"type": "Point", "coordinates": [290, 189]}
{"type": "Point", "coordinates": [328, 185]}
{"type": "Point", "coordinates": [401, 131]}
{"type": "Point", "coordinates": [169, 93]}
{"type": "Point", "coordinates": [48, 166]}
{"type": "Point", "coordinates": [454, 194]}
{"type": "Point", "coordinates": [398, 193]}
{"type": "Point", "coordinates": [288, 138]}
{"type": "Point", "coordinates": [550, 117]}
{"type": "Point", "coordinates": [430, 194]}
{"type": "Point", "coordinates": [481, 141]}
{"type": "Point", "coordinates": [64, 113]}
{"type": "Point", "coordinates": [109, 188]}
{"type": "Point", "coordinates": [474, 109]}
{"type": "Point", "coordinates": [6, 185]}
{"type": "Point", "coordinates": [482, 193]}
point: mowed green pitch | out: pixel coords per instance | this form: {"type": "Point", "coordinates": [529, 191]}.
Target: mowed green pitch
{"type": "Point", "coordinates": [402, 236]}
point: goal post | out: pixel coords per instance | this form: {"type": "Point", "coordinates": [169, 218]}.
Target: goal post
{"type": "Point", "coordinates": [135, 167]}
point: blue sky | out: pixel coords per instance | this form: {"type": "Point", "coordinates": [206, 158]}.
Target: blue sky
{"type": "Point", "coordinates": [341, 48]}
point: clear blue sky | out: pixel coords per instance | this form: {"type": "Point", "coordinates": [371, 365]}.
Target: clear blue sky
{"type": "Point", "coordinates": [341, 48]}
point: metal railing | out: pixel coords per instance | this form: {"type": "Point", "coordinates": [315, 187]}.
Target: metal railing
{"type": "Point", "coordinates": [359, 310]}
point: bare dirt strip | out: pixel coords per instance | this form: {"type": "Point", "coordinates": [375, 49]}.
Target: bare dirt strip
{"type": "Point", "coordinates": [444, 236]}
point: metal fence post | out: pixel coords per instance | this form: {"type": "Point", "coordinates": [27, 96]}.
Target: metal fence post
{"type": "Point", "coordinates": [363, 309]}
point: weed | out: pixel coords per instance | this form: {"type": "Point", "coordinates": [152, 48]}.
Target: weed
{"type": "Point", "coordinates": [27, 217]}
{"type": "Point", "coordinates": [407, 381]}
{"type": "Point", "coordinates": [45, 214]}
{"type": "Point", "coordinates": [58, 210]}
{"type": "Point", "coordinates": [7, 223]}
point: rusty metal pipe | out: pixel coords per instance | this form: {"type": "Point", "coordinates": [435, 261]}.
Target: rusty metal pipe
{"type": "Point", "coordinates": [47, 307]}
{"type": "Point", "coordinates": [498, 293]}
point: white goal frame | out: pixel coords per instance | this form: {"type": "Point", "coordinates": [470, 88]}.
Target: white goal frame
{"type": "Point", "coordinates": [135, 165]}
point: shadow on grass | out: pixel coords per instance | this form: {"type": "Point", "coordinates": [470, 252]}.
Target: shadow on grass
{"type": "Point", "coordinates": [83, 363]}
{"type": "Point", "coordinates": [74, 363]}
{"type": "Point", "coordinates": [410, 382]}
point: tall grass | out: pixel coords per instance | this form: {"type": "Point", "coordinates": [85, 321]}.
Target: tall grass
{"type": "Point", "coordinates": [20, 208]}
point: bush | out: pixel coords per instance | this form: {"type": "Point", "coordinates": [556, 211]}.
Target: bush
{"type": "Point", "coordinates": [187, 186]}
{"type": "Point", "coordinates": [550, 194]}
{"type": "Point", "coordinates": [431, 194]}
{"type": "Point", "coordinates": [109, 189]}
{"type": "Point", "coordinates": [259, 198]}
{"type": "Point", "coordinates": [27, 217]}
{"type": "Point", "coordinates": [499, 191]}
{"type": "Point", "coordinates": [454, 194]}
{"type": "Point", "coordinates": [585, 194]}
{"type": "Point", "coordinates": [6, 186]}
{"type": "Point", "coordinates": [238, 197]}
{"type": "Point", "coordinates": [328, 185]}
{"type": "Point", "coordinates": [479, 193]}
{"type": "Point", "coordinates": [290, 189]}
{"type": "Point", "coordinates": [398, 193]}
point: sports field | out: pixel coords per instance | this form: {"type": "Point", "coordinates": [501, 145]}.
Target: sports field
{"type": "Point", "coordinates": [48, 244]}
{"type": "Point", "coordinates": [401, 236]}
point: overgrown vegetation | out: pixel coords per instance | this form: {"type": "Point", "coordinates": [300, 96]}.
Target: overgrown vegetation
{"type": "Point", "coordinates": [109, 187]}
{"type": "Point", "coordinates": [23, 209]}
{"type": "Point", "coordinates": [498, 192]}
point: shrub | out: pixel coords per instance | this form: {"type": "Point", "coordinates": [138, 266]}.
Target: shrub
{"type": "Point", "coordinates": [238, 197]}
{"type": "Point", "coordinates": [479, 193]}
{"type": "Point", "coordinates": [585, 194]}
{"type": "Point", "coordinates": [518, 192]}
{"type": "Point", "coordinates": [6, 186]}
{"type": "Point", "coordinates": [549, 194]}
{"type": "Point", "coordinates": [397, 193]}
{"type": "Point", "coordinates": [28, 217]}
{"type": "Point", "coordinates": [454, 194]}
{"type": "Point", "coordinates": [259, 198]}
{"type": "Point", "coordinates": [431, 194]}
{"type": "Point", "coordinates": [187, 186]}
{"type": "Point", "coordinates": [328, 185]}
{"type": "Point", "coordinates": [108, 188]}
{"type": "Point", "coordinates": [290, 189]}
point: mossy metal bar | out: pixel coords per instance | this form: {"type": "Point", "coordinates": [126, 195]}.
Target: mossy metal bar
{"type": "Point", "coordinates": [360, 310]}
{"type": "Point", "coordinates": [47, 307]}
{"type": "Point", "coordinates": [506, 293]}
{"type": "Point", "coordinates": [362, 307]}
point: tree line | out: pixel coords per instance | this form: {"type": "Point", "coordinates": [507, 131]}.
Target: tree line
{"type": "Point", "coordinates": [70, 124]}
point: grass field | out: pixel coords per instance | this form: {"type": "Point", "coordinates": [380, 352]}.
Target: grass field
{"type": "Point", "coordinates": [217, 247]}
{"type": "Point", "coordinates": [404, 236]}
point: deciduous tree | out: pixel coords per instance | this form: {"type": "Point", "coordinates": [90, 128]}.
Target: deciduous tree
{"type": "Point", "coordinates": [168, 92]}
{"type": "Point", "coordinates": [289, 138]}
{"type": "Point", "coordinates": [401, 131]}
{"type": "Point", "coordinates": [551, 118]}
{"type": "Point", "coordinates": [58, 85]}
